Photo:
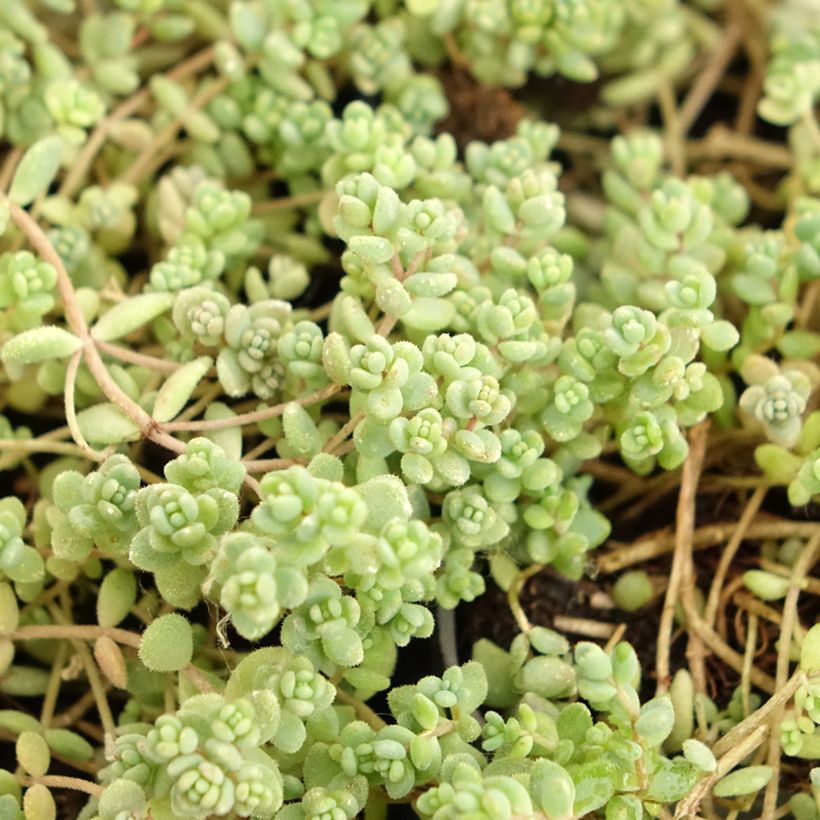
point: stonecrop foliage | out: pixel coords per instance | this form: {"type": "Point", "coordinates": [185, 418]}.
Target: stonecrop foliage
{"type": "Point", "coordinates": [290, 372]}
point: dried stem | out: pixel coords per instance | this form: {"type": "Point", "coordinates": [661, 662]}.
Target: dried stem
{"type": "Point", "coordinates": [761, 715]}
{"type": "Point", "coordinates": [705, 537]}
{"type": "Point", "coordinates": [729, 553]}
{"type": "Point", "coordinates": [802, 568]}
{"type": "Point", "coordinates": [689, 805]}
{"type": "Point", "coordinates": [729, 656]}
{"type": "Point", "coordinates": [681, 578]}
{"type": "Point", "coordinates": [707, 81]}
{"type": "Point", "coordinates": [721, 142]}
{"type": "Point", "coordinates": [694, 648]}
{"type": "Point", "coordinates": [754, 605]}
{"type": "Point", "coordinates": [748, 661]}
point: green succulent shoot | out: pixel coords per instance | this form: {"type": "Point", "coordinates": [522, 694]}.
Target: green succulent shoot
{"type": "Point", "coordinates": [778, 405]}
{"type": "Point", "coordinates": [178, 536]}
{"type": "Point", "coordinates": [249, 362]}
{"type": "Point", "coordinates": [26, 289]}
{"type": "Point", "coordinates": [97, 510]}
{"type": "Point", "coordinates": [326, 621]}
{"type": "Point", "coordinates": [253, 587]}
{"type": "Point", "coordinates": [19, 562]}
{"type": "Point", "coordinates": [364, 365]}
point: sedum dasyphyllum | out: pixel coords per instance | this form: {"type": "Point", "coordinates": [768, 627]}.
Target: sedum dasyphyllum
{"type": "Point", "coordinates": [305, 427]}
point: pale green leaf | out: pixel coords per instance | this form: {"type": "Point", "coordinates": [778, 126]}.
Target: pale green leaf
{"type": "Point", "coordinates": [36, 170]}
{"type": "Point", "coordinates": [128, 315]}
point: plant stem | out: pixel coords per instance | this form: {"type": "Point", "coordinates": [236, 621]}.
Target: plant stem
{"type": "Point", "coordinates": [344, 432]}
{"type": "Point", "coordinates": [728, 554]}
{"type": "Point", "coordinates": [125, 354]}
{"type": "Point", "coordinates": [37, 445]}
{"type": "Point", "coordinates": [802, 567]}
{"type": "Point", "coordinates": [295, 201]}
{"type": "Point", "coordinates": [671, 120]}
{"type": "Point", "coordinates": [689, 805]}
{"type": "Point", "coordinates": [362, 709]}
{"type": "Point", "coordinates": [681, 577]}
{"type": "Point", "coordinates": [57, 781]}
{"type": "Point", "coordinates": [264, 446]}
{"type": "Point", "coordinates": [268, 465]}
{"type": "Point", "coordinates": [97, 687]}
{"type": "Point", "coordinates": [729, 656]}
{"type": "Point", "coordinates": [142, 165]}
{"type": "Point", "coordinates": [446, 628]}
{"type": "Point", "coordinates": [761, 715]}
{"type": "Point", "coordinates": [76, 321]}
{"type": "Point", "coordinates": [704, 537]}
{"type": "Point", "coordinates": [256, 415]}
{"type": "Point", "coordinates": [197, 678]}
{"type": "Point", "coordinates": [754, 605]}
{"type": "Point", "coordinates": [74, 712]}
{"type": "Point", "coordinates": [54, 682]}
{"type": "Point", "coordinates": [514, 596]}
{"type": "Point", "coordinates": [210, 394]}
{"type": "Point", "coordinates": [704, 87]}
{"type": "Point", "coordinates": [748, 661]}
{"type": "Point", "coordinates": [721, 142]}
{"type": "Point", "coordinates": [95, 682]}
{"type": "Point", "coordinates": [71, 413]}
{"type": "Point", "coordinates": [695, 654]}
{"type": "Point", "coordinates": [192, 65]}
{"type": "Point", "coordinates": [9, 167]}
{"type": "Point", "coordinates": [75, 632]}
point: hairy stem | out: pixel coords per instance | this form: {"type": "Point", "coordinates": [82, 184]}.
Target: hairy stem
{"type": "Point", "coordinates": [362, 709]}
{"type": "Point", "coordinates": [57, 781]}
{"type": "Point", "coordinates": [75, 632]}
{"type": "Point", "coordinates": [255, 416]}
{"type": "Point", "coordinates": [76, 321]}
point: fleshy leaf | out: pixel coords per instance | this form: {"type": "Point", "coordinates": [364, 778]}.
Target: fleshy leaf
{"type": "Point", "coordinates": [131, 313]}
{"type": "Point", "coordinates": [40, 344]}
{"type": "Point", "coordinates": [178, 388]}
{"type": "Point", "coordinates": [36, 171]}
